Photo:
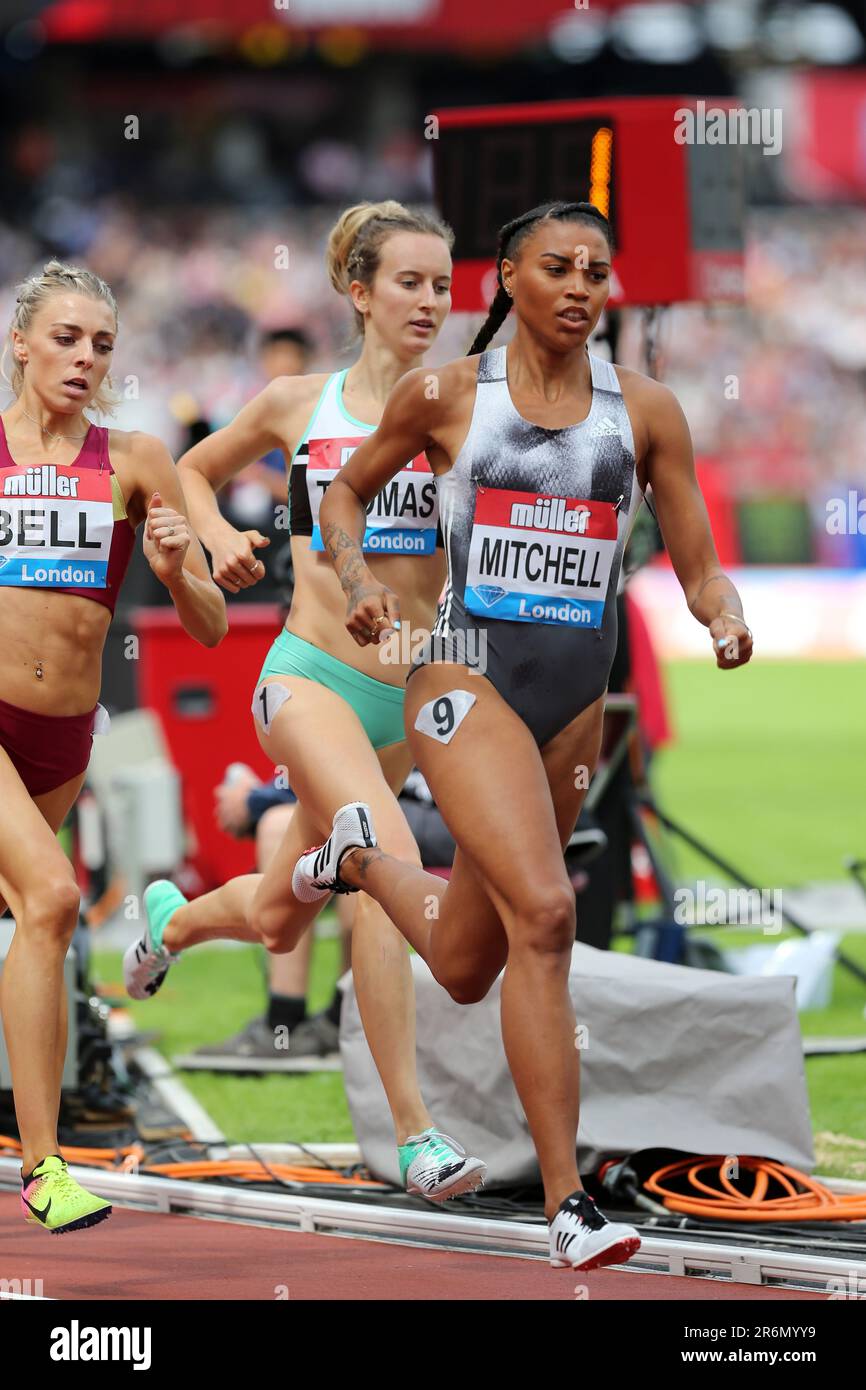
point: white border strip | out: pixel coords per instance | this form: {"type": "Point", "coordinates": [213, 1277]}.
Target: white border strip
{"type": "Point", "coordinates": [289, 1066]}
{"type": "Point", "coordinates": [698, 1258]}
{"type": "Point", "coordinates": [175, 1095]}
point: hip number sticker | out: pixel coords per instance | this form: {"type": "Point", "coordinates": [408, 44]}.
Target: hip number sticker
{"type": "Point", "coordinates": [441, 718]}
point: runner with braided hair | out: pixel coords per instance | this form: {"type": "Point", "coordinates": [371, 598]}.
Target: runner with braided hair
{"type": "Point", "coordinates": [542, 454]}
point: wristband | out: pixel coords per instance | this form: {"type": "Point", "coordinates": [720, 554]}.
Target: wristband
{"type": "Point", "coordinates": [737, 619]}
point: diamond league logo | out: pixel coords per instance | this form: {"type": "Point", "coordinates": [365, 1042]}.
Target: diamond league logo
{"type": "Point", "coordinates": [490, 594]}
{"type": "Point", "coordinates": [3, 561]}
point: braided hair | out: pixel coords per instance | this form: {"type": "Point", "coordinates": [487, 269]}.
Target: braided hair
{"type": "Point", "coordinates": [512, 237]}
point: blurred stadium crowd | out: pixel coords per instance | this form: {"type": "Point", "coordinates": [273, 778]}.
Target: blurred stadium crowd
{"type": "Point", "coordinates": [208, 213]}
{"type": "Point", "coordinates": [774, 389]}
{"type": "Point", "coordinates": [794, 417]}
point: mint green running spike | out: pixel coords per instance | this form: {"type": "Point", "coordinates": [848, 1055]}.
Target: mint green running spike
{"type": "Point", "coordinates": [162, 898]}
{"type": "Point", "coordinates": [435, 1166]}
{"type": "Point", "coordinates": [146, 961]}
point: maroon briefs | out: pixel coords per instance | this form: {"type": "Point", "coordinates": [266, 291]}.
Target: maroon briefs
{"type": "Point", "coordinates": [46, 749]}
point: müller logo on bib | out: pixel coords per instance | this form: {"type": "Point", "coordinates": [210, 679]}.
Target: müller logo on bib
{"type": "Point", "coordinates": [538, 558]}
{"type": "Point", "coordinates": [401, 520]}
{"type": "Point", "coordinates": [55, 528]}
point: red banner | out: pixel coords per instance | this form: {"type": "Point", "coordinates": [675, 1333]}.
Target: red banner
{"type": "Point", "coordinates": [827, 154]}
{"type": "Point", "coordinates": [491, 24]}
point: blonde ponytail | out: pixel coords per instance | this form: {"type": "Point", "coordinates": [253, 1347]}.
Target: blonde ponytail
{"type": "Point", "coordinates": [355, 244]}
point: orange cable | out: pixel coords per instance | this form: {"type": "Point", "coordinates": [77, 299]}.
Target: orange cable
{"type": "Point", "coordinates": [807, 1200]}
{"type": "Point", "coordinates": [133, 1158]}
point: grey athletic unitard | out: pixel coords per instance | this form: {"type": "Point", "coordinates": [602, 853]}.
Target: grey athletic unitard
{"type": "Point", "coordinates": [535, 523]}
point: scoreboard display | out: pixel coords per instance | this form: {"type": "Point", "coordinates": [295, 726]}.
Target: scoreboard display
{"type": "Point", "coordinates": [676, 209]}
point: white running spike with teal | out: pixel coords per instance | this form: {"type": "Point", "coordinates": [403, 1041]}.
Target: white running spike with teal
{"type": "Point", "coordinates": [146, 962]}
{"type": "Point", "coordinates": [434, 1166]}
{"type": "Point", "coordinates": [317, 872]}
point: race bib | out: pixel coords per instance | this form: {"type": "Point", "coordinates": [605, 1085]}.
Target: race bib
{"type": "Point", "coordinates": [56, 526]}
{"type": "Point", "coordinates": [400, 521]}
{"type": "Point", "coordinates": [536, 558]}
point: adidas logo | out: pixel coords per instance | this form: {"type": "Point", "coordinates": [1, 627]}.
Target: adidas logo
{"type": "Point", "coordinates": [605, 427]}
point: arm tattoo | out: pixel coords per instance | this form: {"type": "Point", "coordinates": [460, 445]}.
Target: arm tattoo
{"type": "Point", "coordinates": [339, 542]}
{"type": "Point", "coordinates": [713, 579]}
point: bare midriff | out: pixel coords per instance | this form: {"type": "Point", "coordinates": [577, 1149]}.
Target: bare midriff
{"type": "Point", "coordinates": [60, 634]}
{"type": "Point", "coordinates": [318, 612]}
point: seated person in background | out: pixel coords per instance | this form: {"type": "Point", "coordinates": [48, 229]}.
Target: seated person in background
{"type": "Point", "coordinates": [247, 806]}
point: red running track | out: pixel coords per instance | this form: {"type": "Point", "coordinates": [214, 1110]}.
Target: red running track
{"type": "Point", "coordinates": [143, 1255]}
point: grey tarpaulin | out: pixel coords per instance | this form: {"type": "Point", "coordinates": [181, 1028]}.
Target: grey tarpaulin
{"type": "Point", "coordinates": [673, 1058]}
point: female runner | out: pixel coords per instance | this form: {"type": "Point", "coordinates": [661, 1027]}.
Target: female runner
{"type": "Point", "coordinates": [542, 454]}
{"type": "Point", "coordinates": [326, 710]}
{"type": "Point", "coordinates": [72, 495]}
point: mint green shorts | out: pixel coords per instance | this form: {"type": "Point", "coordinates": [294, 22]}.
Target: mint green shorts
{"type": "Point", "coordinates": [378, 706]}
